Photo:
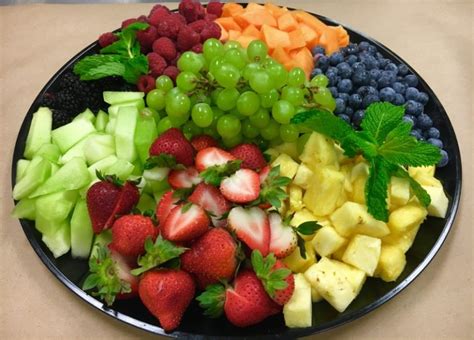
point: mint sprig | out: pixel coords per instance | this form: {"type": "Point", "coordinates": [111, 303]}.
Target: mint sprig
{"type": "Point", "coordinates": [385, 142]}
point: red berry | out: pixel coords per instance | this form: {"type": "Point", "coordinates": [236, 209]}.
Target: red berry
{"type": "Point", "coordinates": [215, 8]}
{"type": "Point", "coordinates": [157, 64]}
{"type": "Point", "coordinates": [191, 10]}
{"type": "Point", "coordinates": [210, 17]}
{"type": "Point", "coordinates": [241, 187]}
{"type": "Point", "coordinates": [212, 30]}
{"type": "Point", "coordinates": [197, 48]}
{"type": "Point", "coordinates": [146, 83]}
{"type": "Point", "coordinates": [165, 47]}
{"type": "Point", "coordinates": [172, 72]}
{"type": "Point", "coordinates": [210, 199]}
{"type": "Point", "coordinates": [198, 25]}
{"type": "Point", "coordinates": [165, 205]}
{"type": "Point", "coordinates": [173, 142]}
{"type": "Point", "coordinates": [169, 26]}
{"type": "Point", "coordinates": [208, 157]}
{"type": "Point", "coordinates": [129, 233]}
{"type": "Point", "coordinates": [250, 154]}
{"type": "Point", "coordinates": [107, 39]}
{"type": "Point", "coordinates": [128, 22]}
{"type": "Point", "coordinates": [203, 141]}
{"type": "Point", "coordinates": [157, 14]}
{"type": "Point", "coordinates": [184, 178]}
{"type": "Point", "coordinates": [102, 198]}
{"type": "Point", "coordinates": [146, 38]}
{"type": "Point", "coordinates": [185, 223]}
{"type": "Point", "coordinates": [187, 38]}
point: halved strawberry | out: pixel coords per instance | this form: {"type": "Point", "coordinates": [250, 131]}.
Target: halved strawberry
{"type": "Point", "coordinates": [264, 173]}
{"type": "Point", "coordinates": [211, 156]}
{"type": "Point", "coordinates": [282, 296]}
{"type": "Point", "coordinates": [124, 264]}
{"type": "Point", "coordinates": [128, 198]}
{"type": "Point", "coordinates": [282, 237]}
{"type": "Point", "coordinates": [251, 226]}
{"type": "Point", "coordinates": [202, 142]}
{"type": "Point", "coordinates": [184, 178]}
{"type": "Point", "coordinates": [210, 199]}
{"type": "Point", "coordinates": [165, 205]}
{"type": "Point", "coordinates": [185, 222]}
{"type": "Point", "coordinates": [250, 154]}
{"type": "Point", "coordinates": [242, 187]}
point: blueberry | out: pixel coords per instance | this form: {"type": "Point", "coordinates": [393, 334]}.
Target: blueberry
{"type": "Point", "coordinates": [411, 80]}
{"type": "Point", "coordinates": [386, 79]}
{"type": "Point", "coordinates": [357, 117]}
{"type": "Point", "coordinates": [345, 70]}
{"type": "Point", "coordinates": [387, 94]}
{"type": "Point", "coordinates": [372, 49]}
{"type": "Point", "coordinates": [333, 90]}
{"type": "Point", "coordinates": [315, 72]}
{"type": "Point", "coordinates": [409, 119]}
{"type": "Point", "coordinates": [362, 91]}
{"type": "Point", "coordinates": [403, 70]}
{"type": "Point", "coordinates": [358, 66]}
{"type": "Point", "coordinates": [332, 69]}
{"type": "Point", "coordinates": [352, 48]}
{"type": "Point", "coordinates": [355, 101]}
{"type": "Point", "coordinates": [399, 87]}
{"type": "Point", "coordinates": [391, 67]}
{"type": "Point", "coordinates": [412, 93]}
{"type": "Point", "coordinates": [422, 98]}
{"type": "Point", "coordinates": [369, 99]}
{"type": "Point", "coordinates": [360, 77]}
{"type": "Point", "coordinates": [378, 55]}
{"type": "Point", "coordinates": [363, 46]}
{"type": "Point", "coordinates": [332, 79]}
{"type": "Point", "coordinates": [340, 106]}
{"type": "Point", "coordinates": [352, 59]}
{"type": "Point", "coordinates": [444, 159]}
{"type": "Point", "coordinates": [344, 86]}
{"type": "Point", "coordinates": [398, 100]}
{"type": "Point", "coordinates": [424, 121]}
{"type": "Point", "coordinates": [374, 74]}
{"type": "Point", "coordinates": [413, 108]}
{"type": "Point", "coordinates": [349, 111]}
{"type": "Point", "coordinates": [432, 133]}
{"type": "Point", "coordinates": [383, 62]}
{"type": "Point", "coordinates": [343, 96]}
{"type": "Point", "coordinates": [417, 134]}
{"type": "Point", "coordinates": [318, 50]}
{"type": "Point", "coordinates": [345, 117]}
{"type": "Point", "coordinates": [336, 58]}
{"type": "Point", "coordinates": [370, 62]}
{"type": "Point", "coordinates": [436, 142]}
{"type": "Point", "coordinates": [323, 62]}
{"type": "Point", "coordinates": [372, 90]}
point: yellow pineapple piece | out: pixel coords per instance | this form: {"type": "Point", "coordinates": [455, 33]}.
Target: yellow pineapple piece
{"type": "Point", "coordinates": [295, 194]}
{"type": "Point", "coordinates": [404, 240]}
{"type": "Point", "coordinates": [304, 215]}
{"type": "Point", "coordinates": [399, 191]}
{"type": "Point", "coordinates": [327, 241]}
{"type": "Point", "coordinates": [358, 177]}
{"type": "Point", "coordinates": [288, 166]}
{"type": "Point", "coordinates": [288, 148]}
{"type": "Point", "coordinates": [296, 263]}
{"type": "Point", "coordinates": [406, 217]}
{"type": "Point", "coordinates": [323, 192]}
{"type": "Point", "coordinates": [298, 310]}
{"type": "Point", "coordinates": [391, 263]}
{"type": "Point", "coordinates": [319, 151]}
{"type": "Point", "coordinates": [338, 254]}
{"type": "Point", "coordinates": [439, 201]}
{"type": "Point", "coordinates": [303, 176]}
{"type": "Point", "coordinates": [423, 171]}
{"type": "Point", "coordinates": [315, 296]}
{"type": "Point", "coordinates": [346, 169]}
{"type": "Point", "coordinates": [337, 282]}
{"type": "Point", "coordinates": [360, 169]}
{"type": "Point", "coordinates": [363, 252]}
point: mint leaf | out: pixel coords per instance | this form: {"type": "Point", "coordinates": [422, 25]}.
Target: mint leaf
{"type": "Point", "coordinates": [99, 66]}
{"type": "Point", "coordinates": [407, 151]}
{"type": "Point", "coordinates": [376, 188]}
{"type": "Point", "coordinates": [134, 68]}
{"type": "Point", "coordinates": [381, 118]}
{"type": "Point", "coordinates": [308, 228]}
{"type": "Point", "coordinates": [417, 189]}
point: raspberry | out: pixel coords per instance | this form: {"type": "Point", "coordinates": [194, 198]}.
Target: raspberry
{"type": "Point", "coordinates": [160, 8]}
{"type": "Point", "coordinates": [172, 72]}
{"type": "Point", "coordinates": [197, 48]}
{"type": "Point", "coordinates": [175, 60]}
{"type": "Point", "coordinates": [127, 22]}
{"type": "Point", "coordinates": [156, 16]}
{"type": "Point", "coordinates": [146, 38]}
{"type": "Point", "coordinates": [107, 39]}
{"type": "Point", "coordinates": [142, 18]}
{"type": "Point", "coordinates": [191, 10]}
{"type": "Point", "coordinates": [215, 8]}
{"type": "Point", "coordinates": [210, 17]}
{"type": "Point", "coordinates": [146, 83]}
{"type": "Point", "coordinates": [179, 17]}
{"type": "Point", "coordinates": [198, 25]}
{"type": "Point", "coordinates": [156, 64]}
{"type": "Point", "coordinates": [165, 47]}
{"type": "Point", "coordinates": [187, 38]}
{"type": "Point", "coordinates": [169, 26]}
{"type": "Point", "coordinates": [212, 30]}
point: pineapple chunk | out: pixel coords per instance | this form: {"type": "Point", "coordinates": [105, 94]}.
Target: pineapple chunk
{"type": "Point", "coordinates": [338, 254]}
{"type": "Point", "coordinates": [319, 151]}
{"type": "Point", "coordinates": [288, 148]}
{"type": "Point", "coordinates": [298, 310]}
{"type": "Point", "coordinates": [324, 191]}
{"type": "Point", "coordinates": [439, 201]}
{"type": "Point", "coordinates": [296, 263]}
{"type": "Point", "coordinates": [346, 169]}
{"type": "Point", "coordinates": [363, 252]}
{"type": "Point", "coordinates": [358, 176]}
{"type": "Point", "coordinates": [303, 176]}
{"type": "Point", "coordinates": [327, 241]}
{"type": "Point", "coordinates": [288, 166]}
{"type": "Point", "coordinates": [391, 263]}
{"type": "Point", "coordinates": [360, 170]}
{"type": "Point", "coordinates": [315, 296]}
{"type": "Point", "coordinates": [423, 171]}
{"type": "Point", "coordinates": [295, 197]}
{"type": "Point", "coordinates": [337, 282]}
{"type": "Point", "coordinates": [353, 218]}
{"type": "Point", "coordinates": [404, 240]}
{"type": "Point", "coordinates": [399, 191]}
{"type": "Point", "coordinates": [304, 215]}
{"type": "Point", "coordinates": [406, 217]}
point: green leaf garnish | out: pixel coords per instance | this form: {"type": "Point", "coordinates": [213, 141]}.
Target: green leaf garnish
{"type": "Point", "coordinates": [215, 174]}
{"type": "Point", "coordinates": [212, 300]}
{"type": "Point", "coordinates": [163, 160]}
{"type": "Point", "coordinates": [272, 279]}
{"type": "Point", "coordinates": [271, 189]}
{"type": "Point", "coordinates": [308, 228]}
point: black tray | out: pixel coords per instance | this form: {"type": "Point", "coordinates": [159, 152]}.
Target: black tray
{"type": "Point", "coordinates": [430, 238]}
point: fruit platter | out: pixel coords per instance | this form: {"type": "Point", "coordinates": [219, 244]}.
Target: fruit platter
{"type": "Point", "coordinates": [236, 170]}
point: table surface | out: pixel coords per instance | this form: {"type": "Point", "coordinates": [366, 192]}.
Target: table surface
{"type": "Point", "coordinates": [435, 37]}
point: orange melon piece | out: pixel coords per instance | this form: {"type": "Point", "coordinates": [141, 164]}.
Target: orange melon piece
{"type": "Point", "coordinates": [329, 41]}
{"type": "Point", "coordinates": [311, 21]}
{"type": "Point", "coordinates": [228, 23]}
{"type": "Point", "coordinates": [274, 37]}
{"type": "Point", "coordinates": [304, 59]}
{"type": "Point", "coordinates": [242, 22]}
{"type": "Point", "coordinates": [252, 31]}
{"type": "Point", "coordinates": [245, 40]}
{"type": "Point", "coordinates": [276, 11]}
{"type": "Point", "coordinates": [224, 34]}
{"type": "Point", "coordinates": [280, 55]}
{"type": "Point", "coordinates": [289, 65]}
{"type": "Point", "coordinates": [287, 22]}
{"type": "Point", "coordinates": [258, 17]}
{"type": "Point", "coordinates": [296, 39]}
{"type": "Point", "coordinates": [252, 6]}
{"type": "Point", "coordinates": [233, 34]}
{"type": "Point", "coordinates": [342, 35]}
{"type": "Point", "coordinates": [231, 9]}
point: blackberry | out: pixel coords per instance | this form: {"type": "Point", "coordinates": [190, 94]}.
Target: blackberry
{"type": "Point", "coordinates": [60, 118]}
{"type": "Point", "coordinates": [49, 100]}
{"type": "Point", "coordinates": [68, 100]}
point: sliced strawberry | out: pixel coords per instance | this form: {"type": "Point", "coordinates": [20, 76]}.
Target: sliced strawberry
{"type": "Point", "coordinates": [202, 142]}
{"type": "Point", "coordinates": [123, 266]}
{"type": "Point", "coordinates": [250, 154]}
{"type": "Point", "coordinates": [128, 198]}
{"type": "Point", "coordinates": [212, 156]}
{"type": "Point", "coordinates": [264, 173]}
{"type": "Point", "coordinates": [185, 223]}
{"type": "Point", "coordinates": [251, 226]}
{"type": "Point", "coordinates": [164, 206]}
{"type": "Point", "coordinates": [184, 178]}
{"type": "Point", "coordinates": [242, 187]}
{"type": "Point", "coordinates": [282, 238]}
{"type": "Point", "coordinates": [210, 199]}
{"type": "Point", "coordinates": [282, 296]}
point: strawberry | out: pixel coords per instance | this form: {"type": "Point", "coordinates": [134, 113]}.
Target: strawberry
{"type": "Point", "coordinates": [251, 156]}
{"type": "Point", "coordinates": [185, 222]}
{"type": "Point", "coordinates": [129, 233]}
{"type": "Point", "coordinates": [282, 296]}
{"type": "Point", "coordinates": [166, 293]}
{"type": "Point", "coordinates": [251, 226]}
{"type": "Point", "coordinates": [124, 265]}
{"type": "Point", "coordinates": [165, 205]}
{"type": "Point", "coordinates": [282, 237]}
{"type": "Point", "coordinates": [212, 257]}
{"type": "Point", "coordinates": [101, 198]}
{"type": "Point", "coordinates": [212, 156]}
{"type": "Point", "coordinates": [172, 142]}
{"type": "Point", "coordinates": [264, 173]}
{"type": "Point", "coordinates": [210, 199]}
{"type": "Point", "coordinates": [203, 141]}
{"type": "Point", "coordinates": [128, 198]}
{"type": "Point", "coordinates": [184, 178]}
{"type": "Point", "coordinates": [241, 187]}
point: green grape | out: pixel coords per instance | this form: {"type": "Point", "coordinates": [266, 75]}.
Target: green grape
{"type": "Point", "coordinates": [202, 115]}
{"type": "Point", "coordinates": [227, 99]}
{"type": "Point", "coordinates": [269, 61]}
{"type": "Point", "coordinates": [268, 99]}
{"type": "Point", "coordinates": [215, 64]}
{"type": "Point", "coordinates": [228, 126]}
{"type": "Point", "coordinates": [190, 129]}
{"type": "Point", "coordinates": [212, 48]}
{"type": "Point", "coordinates": [200, 97]}
{"type": "Point", "coordinates": [296, 77]}
{"type": "Point", "coordinates": [261, 82]}
{"type": "Point", "coordinates": [227, 75]}
{"type": "Point", "coordinates": [156, 99]}
{"type": "Point", "coordinates": [250, 69]}
{"type": "Point", "coordinates": [149, 112]}
{"type": "Point", "coordinates": [283, 111]}
{"type": "Point", "coordinates": [257, 50]}
{"type": "Point", "coordinates": [236, 113]}
{"type": "Point", "coordinates": [248, 103]}
{"type": "Point", "coordinates": [248, 130]}
{"type": "Point", "coordinates": [173, 92]}
{"type": "Point", "coordinates": [217, 113]}
{"type": "Point", "coordinates": [164, 83]}
{"type": "Point", "coordinates": [230, 142]}
{"type": "Point", "coordinates": [276, 142]}
{"type": "Point", "coordinates": [186, 81]}
{"type": "Point", "coordinates": [215, 94]}
{"type": "Point", "coordinates": [319, 80]}
{"type": "Point", "coordinates": [271, 131]}
{"type": "Point", "coordinates": [324, 98]}
{"type": "Point", "coordinates": [190, 61]}
{"type": "Point", "coordinates": [163, 125]}
{"type": "Point", "coordinates": [231, 44]}
{"type": "Point", "coordinates": [178, 105]}
{"type": "Point", "coordinates": [294, 95]}
{"type": "Point", "coordinates": [260, 119]}
{"type": "Point", "coordinates": [235, 57]}
{"type": "Point", "coordinates": [278, 74]}
{"type": "Point", "coordinates": [211, 131]}
{"type": "Point", "coordinates": [301, 142]}
{"type": "Point", "coordinates": [177, 121]}
{"type": "Point", "coordinates": [289, 132]}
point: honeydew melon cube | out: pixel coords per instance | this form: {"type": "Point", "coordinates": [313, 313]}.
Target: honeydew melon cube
{"type": "Point", "coordinates": [337, 282]}
{"type": "Point", "coordinates": [101, 121]}
{"type": "Point", "coordinates": [363, 252]}
{"type": "Point", "coordinates": [54, 168]}
{"type": "Point", "coordinates": [156, 174]}
{"type": "Point", "coordinates": [87, 114]}
{"type": "Point", "coordinates": [391, 263]}
{"type": "Point", "coordinates": [303, 176]}
{"type": "Point", "coordinates": [25, 208]}
{"type": "Point", "coordinates": [327, 241]}
{"type": "Point", "coordinates": [50, 152]}
{"type": "Point", "coordinates": [81, 231]}
{"type": "Point", "coordinates": [45, 225]}
{"type": "Point", "coordinates": [146, 202]}
{"type": "Point", "coordinates": [121, 168]}
{"type": "Point", "coordinates": [113, 110]}
{"type": "Point", "coordinates": [102, 165]}
{"type": "Point", "coordinates": [319, 151]}
{"type": "Point", "coordinates": [323, 192]}
{"type": "Point", "coordinates": [37, 173]}
{"type": "Point", "coordinates": [145, 134]}
{"type": "Point", "coordinates": [110, 126]}
{"type": "Point", "coordinates": [295, 194]}
{"type": "Point", "coordinates": [117, 97]}
{"type": "Point", "coordinates": [98, 147]}
{"type": "Point", "coordinates": [288, 148]}
{"type": "Point", "coordinates": [75, 151]}
{"type": "Point", "coordinates": [399, 191]}
{"type": "Point", "coordinates": [39, 132]}
{"type": "Point", "coordinates": [21, 167]}
{"type": "Point", "coordinates": [439, 201]}
{"type": "Point", "coordinates": [125, 132]}
{"type": "Point", "coordinates": [287, 165]}
{"type": "Point", "coordinates": [298, 310]}
{"type": "Point", "coordinates": [57, 206]}
{"type": "Point", "coordinates": [296, 262]}
{"type": "Point", "coordinates": [404, 241]}
{"type": "Point", "coordinates": [68, 135]}
{"type": "Point", "coordinates": [405, 218]}
{"type": "Point", "coordinates": [59, 242]}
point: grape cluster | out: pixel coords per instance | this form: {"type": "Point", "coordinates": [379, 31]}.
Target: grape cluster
{"type": "Point", "coordinates": [358, 75]}
{"type": "Point", "coordinates": [236, 94]}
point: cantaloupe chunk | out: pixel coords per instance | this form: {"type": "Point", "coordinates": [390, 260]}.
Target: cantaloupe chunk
{"type": "Point", "coordinates": [274, 37]}
{"type": "Point", "coordinates": [310, 20]}
{"type": "Point", "coordinates": [287, 22]}
{"type": "Point", "coordinates": [231, 9]}
{"type": "Point", "coordinates": [310, 35]}
{"type": "Point", "coordinates": [245, 40]}
{"type": "Point", "coordinates": [296, 39]}
{"type": "Point", "coordinates": [252, 31]}
{"type": "Point", "coordinates": [304, 59]}
{"type": "Point", "coordinates": [253, 6]}
{"type": "Point", "coordinates": [280, 55]}
{"type": "Point", "coordinates": [329, 41]}
{"type": "Point", "coordinates": [258, 17]}
{"type": "Point", "coordinates": [241, 21]}
{"type": "Point", "coordinates": [228, 23]}
{"type": "Point", "coordinates": [234, 35]}
{"type": "Point", "coordinates": [276, 11]}
{"type": "Point", "coordinates": [224, 34]}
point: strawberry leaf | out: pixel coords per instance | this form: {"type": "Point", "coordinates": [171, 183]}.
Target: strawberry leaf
{"type": "Point", "coordinates": [186, 207]}
{"type": "Point", "coordinates": [272, 279]}
{"type": "Point", "coordinates": [272, 191]}
{"type": "Point", "coordinates": [212, 300]}
{"type": "Point", "coordinates": [109, 178]}
{"type": "Point", "coordinates": [308, 228]}
{"type": "Point", "coordinates": [301, 246]}
{"type": "Point", "coordinates": [215, 174]}
{"type": "Point", "coordinates": [163, 160]}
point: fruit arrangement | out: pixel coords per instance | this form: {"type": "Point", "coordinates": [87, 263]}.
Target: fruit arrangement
{"type": "Point", "coordinates": [249, 158]}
